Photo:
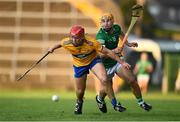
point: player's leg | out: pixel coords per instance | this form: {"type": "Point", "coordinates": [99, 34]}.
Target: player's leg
{"type": "Point", "coordinates": [80, 86]}
{"type": "Point", "coordinates": [145, 86]}
{"type": "Point", "coordinates": [100, 72]}
{"type": "Point", "coordinates": [80, 74]}
{"type": "Point", "coordinates": [142, 85]}
{"type": "Point", "coordinates": [106, 81]}
{"type": "Point", "coordinates": [127, 75]}
{"type": "Point", "coordinates": [116, 105]}
{"type": "Point", "coordinates": [110, 74]}
{"type": "Point", "coordinates": [143, 80]}
{"type": "Point", "coordinates": [139, 81]}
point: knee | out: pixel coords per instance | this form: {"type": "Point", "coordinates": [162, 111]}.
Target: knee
{"type": "Point", "coordinates": [132, 80]}
{"type": "Point", "coordinates": [104, 80]}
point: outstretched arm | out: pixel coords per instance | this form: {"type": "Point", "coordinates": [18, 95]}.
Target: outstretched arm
{"type": "Point", "coordinates": [132, 44]}
{"type": "Point", "coordinates": [51, 49]}
{"type": "Point", "coordinates": [114, 56]}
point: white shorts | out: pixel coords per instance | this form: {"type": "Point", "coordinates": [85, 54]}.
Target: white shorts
{"type": "Point", "coordinates": [143, 78]}
{"type": "Point", "coordinates": [111, 71]}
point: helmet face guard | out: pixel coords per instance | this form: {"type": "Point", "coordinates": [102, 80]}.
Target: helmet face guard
{"type": "Point", "coordinates": [77, 35]}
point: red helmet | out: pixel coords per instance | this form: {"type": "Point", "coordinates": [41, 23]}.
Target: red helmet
{"type": "Point", "coordinates": [77, 30]}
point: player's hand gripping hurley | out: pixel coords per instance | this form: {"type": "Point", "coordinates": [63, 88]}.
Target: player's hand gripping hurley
{"type": "Point", "coordinates": [136, 13]}
{"type": "Point", "coordinates": [33, 65]}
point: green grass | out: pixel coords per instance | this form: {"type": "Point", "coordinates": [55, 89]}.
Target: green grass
{"type": "Point", "coordinates": [37, 105]}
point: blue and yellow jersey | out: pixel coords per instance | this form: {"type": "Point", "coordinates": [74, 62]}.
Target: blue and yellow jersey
{"type": "Point", "coordinates": [84, 54]}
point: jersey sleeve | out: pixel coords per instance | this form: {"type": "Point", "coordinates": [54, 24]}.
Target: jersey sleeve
{"type": "Point", "coordinates": [97, 45]}
{"type": "Point", "coordinates": [117, 28]}
{"type": "Point", "coordinates": [100, 37]}
{"type": "Point", "coordinates": [101, 41]}
{"type": "Point", "coordinates": [64, 42]}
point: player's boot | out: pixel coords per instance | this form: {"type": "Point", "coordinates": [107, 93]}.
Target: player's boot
{"type": "Point", "coordinates": [119, 107]}
{"type": "Point", "coordinates": [101, 105]}
{"type": "Point", "coordinates": [145, 106]}
{"type": "Point", "coordinates": [78, 107]}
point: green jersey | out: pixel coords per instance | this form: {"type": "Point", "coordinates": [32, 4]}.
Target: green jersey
{"type": "Point", "coordinates": [143, 65]}
{"type": "Point", "coordinates": [110, 41]}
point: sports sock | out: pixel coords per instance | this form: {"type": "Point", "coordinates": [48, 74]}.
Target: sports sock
{"type": "Point", "coordinates": [80, 101]}
{"type": "Point", "coordinates": [140, 100]}
{"type": "Point", "coordinates": [100, 99]}
{"type": "Point", "coordinates": [114, 102]}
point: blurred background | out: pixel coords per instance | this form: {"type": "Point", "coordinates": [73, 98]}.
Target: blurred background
{"type": "Point", "coordinates": [29, 27]}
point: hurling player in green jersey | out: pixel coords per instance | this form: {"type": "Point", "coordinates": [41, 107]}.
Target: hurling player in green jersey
{"type": "Point", "coordinates": [109, 35]}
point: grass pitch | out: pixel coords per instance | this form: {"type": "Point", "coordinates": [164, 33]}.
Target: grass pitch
{"type": "Point", "coordinates": [37, 105]}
